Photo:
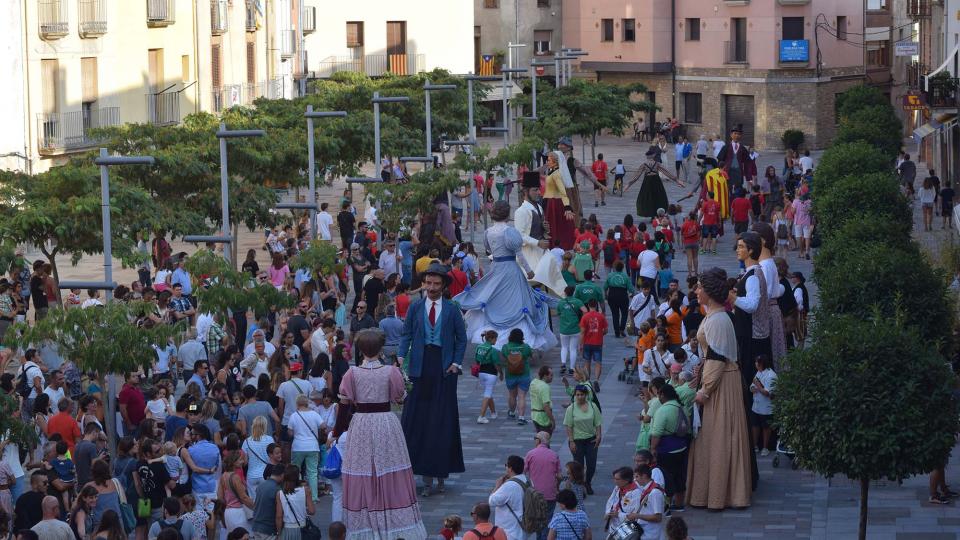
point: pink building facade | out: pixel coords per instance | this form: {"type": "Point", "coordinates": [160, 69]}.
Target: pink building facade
{"type": "Point", "coordinates": [719, 64]}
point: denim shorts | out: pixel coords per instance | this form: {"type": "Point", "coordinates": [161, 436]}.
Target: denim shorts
{"type": "Point", "coordinates": [522, 381]}
{"type": "Point", "coordinates": [593, 353]}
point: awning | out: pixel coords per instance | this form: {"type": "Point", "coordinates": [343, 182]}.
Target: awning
{"type": "Point", "coordinates": [495, 92]}
{"type": "Point", "coordinates": [936, 124]}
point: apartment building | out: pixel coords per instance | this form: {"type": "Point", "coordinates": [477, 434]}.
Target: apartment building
{"type": "Point", "coordinates": [498, 24]}
{"type": "Point", "coordinates": [931, 100]}
{"type": "Point", "coordinates": [765, 66]}
{"type": "Point", "coordinates": [84, 64]}
{"type": "Point", "coordinates": [380, 36]}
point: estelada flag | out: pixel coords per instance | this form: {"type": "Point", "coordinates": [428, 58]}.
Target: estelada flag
{"type": "Point", "coordinates": [486, 64]}
{"type": "Point", "coordinates": [716, 181]}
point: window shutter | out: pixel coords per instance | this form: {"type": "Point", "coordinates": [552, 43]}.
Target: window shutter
{"type": "Point", "coordinates": [354, 34]}
{"type": "Point", "coordinates": [251, 62]}
{"type": "Point", "coordinates": [88, 76]}
{"type": "Point", "coordinates": [215, 77]}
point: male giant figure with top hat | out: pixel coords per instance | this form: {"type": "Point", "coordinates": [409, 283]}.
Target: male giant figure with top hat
{"type": "Point", "coordinates": [734, 159]}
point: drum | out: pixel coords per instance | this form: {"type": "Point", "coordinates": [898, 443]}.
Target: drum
{"type": "Point", "coordinates": [628, 530]}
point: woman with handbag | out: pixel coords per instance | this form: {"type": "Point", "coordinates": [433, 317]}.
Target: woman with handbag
{"type": "Point", "coordinates": [294, 506]}
{"type": "Point", "coordinates": [306, 426]}
{"type": "Point", "coordinates": [232, 491]}
{"type": "Point", "coordinates": [108, 494]}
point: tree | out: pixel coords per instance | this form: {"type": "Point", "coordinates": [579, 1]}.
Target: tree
{"type": "Point", "coordinates": [319, 255]}
{"type": "Point", "coordinates": [585, 108]}
{"type": "Point", "coordinates": [859, 98]}
{"type": "Point", "coordinates": [828, 401]}
{"type": "Point", "coordinates": [841, 159]}
{"type": "Point", "coordinates": [877, 126]}
{"type": "Point", "coordinates": [401, 203]}
{"type": "Point", "coordinates": [862, 229]}
{"type": "Point", "coordinates": [861, 194]}
{"type": "Point", "coordinates": [102, 340]}
{"type": "Point", "coordinates": [59, 212]}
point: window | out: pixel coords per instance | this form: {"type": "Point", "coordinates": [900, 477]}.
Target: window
{"type": "Point", "coordinates": [216, 76]}
{"type": "Point", "coordinates": [792, 28]}
{"type": "Point", "coordinates": [88, 78]}
{"type": "Point", "coordinates": [692, 107]}
{"type": "Point", "coordinates": [50, 75]}
{"type": "Point", "coordinates": [185, 68]}
{"type": "Point", "coordinates": [541, 41]}
{"type": "Point", "coordinates": [543, 3]}
{"type": "Point", "coordinates": [842, 28]}
{"type": "Point", "coordinates": [606, 29]}
{"type": "Point", "coordinates": [691, 30]}
{"type": "Point", "coordinates": [875, 5]}
{"type": "Point", "coordinates": [878, 53]}
{"type": "Point", "coordinates": [491, 4]}
{"type": "Point", "coordinates": [354, 34]}
{"type": "Point", "coordinates": [629, 29]}
{"type": "Point", "coordinates": [251, 62]}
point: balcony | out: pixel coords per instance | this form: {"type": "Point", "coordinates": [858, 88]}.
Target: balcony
{"type": "Point", "coordinates": [54, 21]}
{"type": "Point", "coordinates": [59, 132]}
{"type": "Point", "coordinates": [226, 96]}
{"type": "Point", "coordinates": [309, 20]}
{"type": "Point", "coordinates": [915, 72]}
{"type": "Point", "coordinates": [251, 17]}
{"type": "Point", "coordinates": [219, 17]}
{"type": "Point", "coordinates": [288, 43]}
{"type": "Point", "coordinates": [373, 65]}
{"type": "Point", "coordinates": [918, 9]}
{"type": "Point", "coordinates": [163, 109]}
{"type": "Point", "coordinates": [735, 52]}
{"type": "Point", "coordinates": [161, 12]}
{"type": "Point", "coordinates": [93, 18]}
{"type": "Point", "coordinates": [272, 89]}
{"type": "Point", "coordinates": [942, 92]}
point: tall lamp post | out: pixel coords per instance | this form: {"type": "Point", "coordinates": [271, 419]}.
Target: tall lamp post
{"type": "Point", "coordinates": [471, 128]}
{"type": "Point", "coordinates": [311, 204]}
{"type": "Point", "coordinates": [225, 238]}
{"type": "Point", "coordinates": [427, 88]}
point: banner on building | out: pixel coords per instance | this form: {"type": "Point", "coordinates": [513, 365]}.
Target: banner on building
{"type": "Point", "coordinates": [906, 48]}
{"type": "Point", "coordinates": [486, 64]}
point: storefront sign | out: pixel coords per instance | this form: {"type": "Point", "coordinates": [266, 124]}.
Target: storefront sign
{"type": "Point", "coordinates": [913, 101]}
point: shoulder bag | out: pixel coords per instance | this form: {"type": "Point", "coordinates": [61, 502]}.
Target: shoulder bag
{"type": "Point", "coordinates": [308, 531]}
{"type": "Point", "coordinates": [127, 514]}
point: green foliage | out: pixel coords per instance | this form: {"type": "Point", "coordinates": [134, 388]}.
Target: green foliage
{"type": "Point", "coordinates": [318, 255]}
{"type": "Point", "coordinates": [851, 158]}
{"type": "Point", "coordinates": [877, 126]}
{"type": "Point", "coordinates": [16, 431]}
{"type": "Point", "coordinates": [863, 194]}
{"type": "Point", "coordinates": [792, 138]}
{"type": "Point", "coordinates": [400, 203]}
{"type": "Point", "coordinates": [861, 229]}
{"type": "Point", "coordinates": [870, 399]}
{"type": "Point", "coordinates": [229, 289]}
{"type": "Point", "coordinates": [102, 339]}
{"type": "Point", "coordinates": [876, 279]}
{"type": "Point", "coordinates": [858, 98]}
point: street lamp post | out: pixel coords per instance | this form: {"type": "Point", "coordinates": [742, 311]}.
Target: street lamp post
{"type": "Point", "coordinates": [510, 48]}
{"type": "Point", "coordinates": [471, 128]}
{"type": "Point", "coordinates": [105, 161]}
{"type": "Point", "coordinates": [427, 88]}
{"type": "Point", "coordinates": [507, 86]}
{"type": "Point", "coordinates": [533, 68]}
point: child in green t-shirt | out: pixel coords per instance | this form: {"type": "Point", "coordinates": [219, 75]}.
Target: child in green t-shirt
{"type": "Point", "coordinates": [487, 358]}
{"type": "Point", "coordinates": [516, 361]}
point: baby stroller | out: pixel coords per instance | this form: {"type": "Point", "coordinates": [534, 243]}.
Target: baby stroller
{"type": "Point", "coordinates": [786, 451]}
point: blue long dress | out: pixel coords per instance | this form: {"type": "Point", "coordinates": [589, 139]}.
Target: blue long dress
{"type": "Point", "coordinates": [503, 299]}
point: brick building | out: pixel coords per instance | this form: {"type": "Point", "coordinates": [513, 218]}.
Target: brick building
{"type": "Point", "coordinates": [727, 63]}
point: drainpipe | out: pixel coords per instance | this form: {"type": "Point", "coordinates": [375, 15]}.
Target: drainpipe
{"type": "Point", "coordinates": [27, 101]}
{"type": "Point", "coordinates": [673, 54]}
{"type": "Point", "coordinates": [196, 58]}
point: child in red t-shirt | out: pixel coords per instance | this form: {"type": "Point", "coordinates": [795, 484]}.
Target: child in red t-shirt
{"type": "Point", "coordinates": [593, 327]}
{"type": "Point", "coordinates": [710, 220]}
{"type": "Point", "coordinates": [690, 236]}
{"type": "Point", "coordinates": [740, 212]}
{"type": "Point", "coordinates": [599, 169]}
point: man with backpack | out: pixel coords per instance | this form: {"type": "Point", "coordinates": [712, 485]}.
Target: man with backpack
{"type": "Point", "coordinates": [521, 509]}
{"type": "Point", "coordinates": [30, 381]}
{"type": "Point", "coordinates": [171, 511]}
{"type": "Point", "coordinates": [669, 440]}
{"type": "Point", "coordinates": [482, 528]}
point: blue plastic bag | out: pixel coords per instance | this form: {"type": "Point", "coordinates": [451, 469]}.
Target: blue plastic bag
{"type": "Point", "coordinates": [332, 463]}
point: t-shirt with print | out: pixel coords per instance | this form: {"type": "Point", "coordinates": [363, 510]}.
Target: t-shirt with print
{"type": "Point", "coordinates": [488, 357]}
{"type": "Point", "coordinates": [569, 311]}
{"type": "Point", "coordinates": [600, 170]}
{"type": "Point", "coordinates": [588, 290]}
{"type": "Point", "coordinates": [594, 326]}
{"type": "Point", "coordinates": [525, 352]}
{"type": "Point", "coordinates": [711, 212]}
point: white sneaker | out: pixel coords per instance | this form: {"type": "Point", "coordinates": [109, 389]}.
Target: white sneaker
{"type": "Point", "coordinates": [482, 420]}
{"type": "Point", "coordinates": [493, 416]}
{"type": "Point", "coordinates": [764, 453]}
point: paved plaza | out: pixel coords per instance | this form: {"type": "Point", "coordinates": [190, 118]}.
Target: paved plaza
{"type": "Point", "coordinates": [787, 503]}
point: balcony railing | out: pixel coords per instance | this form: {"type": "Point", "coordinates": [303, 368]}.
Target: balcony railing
{"type": "Point", "coordinates": [219, 17]}
{"type": "Point", "coordinates": [735, 52]}
{"type": "Point", "coordinates": [374, 65]}
{"type": "Point", "coordinates": [272, 89]}
{"type": "Point", "coordinates": [309, 20]}
{"type": "Point", "coordinates": [227, 96]}
{"type": "Point", "coordinates": [163, 109]}
{"type": "Point", "coordinates": [161, 12]}
{"type": "Point", "coordinates": [918, 9]}
{"type": "Point", "coordinates": [915, 72]}
{"type": "Point", "coordinates": [70, 131]}
{"type": "Point", "coordinates": [93, 17]}
{"type": "Point", "coordinates": [251, 17]}
{"type": "Point", "coordinates": [54, 21]}
{"type": "Point", "coordinates": [288, 43]}
{"type": "Point", "coordinates": [942, 92]}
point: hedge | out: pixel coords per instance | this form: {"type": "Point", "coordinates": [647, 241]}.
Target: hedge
{"type": "Point", "coordinates": [876, 126]}
{"type": "Point", "coordinates": [850, 158]}
{"type": "Point", "coordinates": [850, 196]}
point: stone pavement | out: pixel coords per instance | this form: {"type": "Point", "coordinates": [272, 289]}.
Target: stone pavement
{"type": "Point", "coordinates": [787, 503]}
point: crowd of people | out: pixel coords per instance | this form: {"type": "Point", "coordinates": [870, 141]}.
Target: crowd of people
{"type": "Point", "coordinates": [252, 421]}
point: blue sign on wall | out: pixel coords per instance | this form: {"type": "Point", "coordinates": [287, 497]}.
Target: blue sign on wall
{"type": "Point", "coordinates": [794, 50]}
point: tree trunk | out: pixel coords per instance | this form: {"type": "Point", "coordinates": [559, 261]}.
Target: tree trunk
{"type": "Point", "coordinates": [234, 247]}
{"type": "Point", "coordinates": [593, 147]}
{"type": "Point", "coordinates": [55, 272]}
{"type": "Point", "coordinates": [864, 490]}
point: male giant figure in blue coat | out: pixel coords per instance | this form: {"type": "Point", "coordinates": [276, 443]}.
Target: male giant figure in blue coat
{"type": "Point", "coordinates": [431, 348]}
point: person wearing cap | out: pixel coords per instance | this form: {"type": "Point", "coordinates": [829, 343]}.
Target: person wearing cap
{"type": "Point", "coordinates": [542, 467]}
{"type": "Point", "coordinates": [431, 350]}
{"type": "Point", "coordinates": [652, 195]}
{"type": "Point", "coordinates": [734, 158]}
{"type": "Point", "coordinates": [389, 258]}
